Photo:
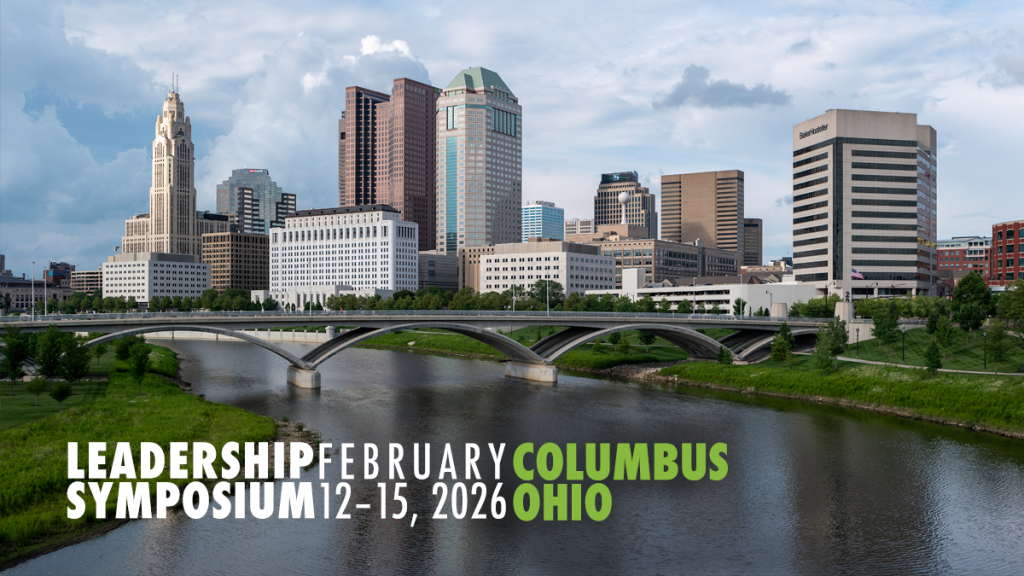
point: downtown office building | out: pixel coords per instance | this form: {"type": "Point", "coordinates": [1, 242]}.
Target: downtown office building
{"type": "Point", "coordinates": [640, 209]}
{"type": "Point", "coordinates": [386, 152]}
{"type": "Point", "coordinates": [479, 163]}
{"type": "Point", "coordinates": [542, 219]}
{"type": "Point", "coordinates": [253, 202]}
{"type": "Point", "coordinates": [864, 204]}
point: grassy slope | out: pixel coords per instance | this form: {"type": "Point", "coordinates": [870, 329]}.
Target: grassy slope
{"type": "Point", "coordinates": [958, 357]}
{"type": "Point", "coordinates": [992, 401]}
{"type": "Point", "coordinates": [33, 479]}
{"type": "Point", "coordinates": [582, 357]}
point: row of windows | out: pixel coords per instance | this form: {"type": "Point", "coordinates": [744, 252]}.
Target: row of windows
{"type": "Point", "coordinates": [1009, 234]}
{"type": "Point", "coordinates": [809, 253]}
{"type": "Point", "coordinates": [810, 183]}
{"type": "Point", "coordinates": [814, 170]}
{"type": "Point", "coordinates": [1009, 263]}
{"type": "Point", "coordinates": [884, 239]}
{"type": "Point", "coordinates": [858, 214]}
{"type": "Point", "coordinates": [810, 160]}
{"type": "Point", "coordinates": [808, 195]}
{"type": "Point", "coordinates": [810, 230]}
{"type": "Point", "coordinates": [885, 154]}
{"type": "Point", "coordinates": [873, 202]}
{"type": "Point", "coordinates": [876, 166]}
{"type": "Point", "coordinates": [863, 226]}
{"type": "Point", "coordinates": [809, 241]}
{"type": "Point", "coordinates": [857, 250]}
{"type": "Point", "coordinates": [874, 178]}
{"type": "Point", "coordinates": [810, 218]}
{"type": "Point", "coordinates": [816, 264]}
{"type": "Point", "coordinates": [812, 277]}
{"type": "Point", "coordinates": [807, 207]}
{"type": "Point", "coordinates": [886, 263]}
{"type": "Point", "coordinates": [863, 141]}
{"type": "Point", "coordinates": [868, 190]}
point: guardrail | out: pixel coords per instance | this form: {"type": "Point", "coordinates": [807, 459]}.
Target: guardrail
{"type": "Point", "coordinates": [356, 313]}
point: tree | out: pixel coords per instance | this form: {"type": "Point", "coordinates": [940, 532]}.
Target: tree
{"type": "Point", "coordinates": [724, 356]}
{"type": "Point", "coordinates": [123, 348]}
{"type": "Point", "coordinates": [16, 351]}
{"type": "Point", "coordinates": [933, 320]}
{"type": "Point", "coordinates": [74, 364]}
{"type": "Point", "coordinates": [622, 347]}
{"type": "Point", "coordinates": [970, 316]}
{"type": "Point", "coordinates": [664, 305]}
{"type": "Point", "coordinates": [700, 308]}
{"type": "Point", "coordinates": [715, 309]}
{"type": "Point", "coordinates": [49, 348]}
{"type": "Point", "coordinates": [614, 338]}
{"type": "Point", "coordinates": [821, 357]}
{"type": "Point", "coordinates": [998, 344]}
{"type": "Point", "coordinates": [269, 304]}
{"type": "Point", "coordinates": [543, 290]}
{"type": "Point", "coordinates": [646, 338]}
{"type": "Point", "coordinates": [972, 289]}
{"type": "Point", "coordinates": [782, 351]}
{"type": "Point", "coordinates": [886, 323]}
{"type": "Point", "coordinates": [99, 350]}
{"type": "Point", "coordinates": [1011, 305]}
{"type": "Point", "coordinates": [36, 387]}
{"type": "Point", "coordinates": [838, 339]}
{"type": "Point", "coordinates": [60, 392]}
{"type": "Point", "coordinates": [138, 364]}
{"type": "Point", "coordinates": [786, 334]}
{"type": "Point", "coordinates": [933, 357]}
{"type": "Point", "coordinates": [738, 306]}
{"type": "Point", "coordinates": [945, 334]}
{"type": "Point", "coordinates": [684, 307]}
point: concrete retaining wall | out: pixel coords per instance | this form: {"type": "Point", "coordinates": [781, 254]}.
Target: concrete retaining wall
{"type": "Point", "coordinates": [267, 335]}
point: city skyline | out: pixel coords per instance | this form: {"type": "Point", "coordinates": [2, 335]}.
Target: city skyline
{"type": "Point", "coordinates": [702, 105]}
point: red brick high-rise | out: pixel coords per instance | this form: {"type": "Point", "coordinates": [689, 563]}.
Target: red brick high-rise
{"type": "Point", "coordinates": [1007, 261]}
{"type": "Point", "coordinates": [386, 152]}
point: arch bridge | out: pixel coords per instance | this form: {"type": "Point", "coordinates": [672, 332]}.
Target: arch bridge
{"type": "Point", "coordinates": [535, 362]}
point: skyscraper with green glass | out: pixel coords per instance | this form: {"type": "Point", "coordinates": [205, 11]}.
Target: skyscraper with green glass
{"type": "Point", "coordinates": [479, 162]}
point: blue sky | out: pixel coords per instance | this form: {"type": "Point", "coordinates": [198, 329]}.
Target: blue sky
{"type": "Point", "coordinates": [658, 87]}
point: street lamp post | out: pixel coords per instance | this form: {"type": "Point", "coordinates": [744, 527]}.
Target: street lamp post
{"type": "Point", "coordinates": [904, 330]}
{"type": "Point", "coordinates": [45, 301]}
{"type": "Point", "coordinates": [984, 346]}
{"type": "Point", "coordinates": [33, 290]}
{"type": "Point", "coordinates": [858, 342]}
{"type": "Point", "coordinates": [547, 295]}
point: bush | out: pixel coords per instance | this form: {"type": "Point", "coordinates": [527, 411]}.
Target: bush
{"type": "Point", "coordinates": [622, 347]}
{"type": "Point", "coordinates": [724, 356]}
{"type": "Point", "coordinates": [781, 349]}
{"type": "Point", "coordinates": [933, 357]}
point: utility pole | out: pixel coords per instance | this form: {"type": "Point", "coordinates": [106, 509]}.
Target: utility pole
{"type": "Point", "coordinates": [33, 290]}
{"type": "Point", "coordinates": [547, 283]}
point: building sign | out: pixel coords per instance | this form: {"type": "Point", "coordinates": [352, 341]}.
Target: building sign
{"type": "Point", "coordinates": [812, 131]}
{"type": "Point", "coordinates": [619, 177]}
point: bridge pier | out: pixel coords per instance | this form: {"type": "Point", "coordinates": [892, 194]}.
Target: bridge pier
{"type": "Point", "coordinates": [544, 373]}
{"type": "Point", "coordinates": [303, 377]}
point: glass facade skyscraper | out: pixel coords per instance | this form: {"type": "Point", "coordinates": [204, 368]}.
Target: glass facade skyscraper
{"type": "Point", "coordinates": [543, 220]}
{"type": "Point", "coordinates": [253, 202]}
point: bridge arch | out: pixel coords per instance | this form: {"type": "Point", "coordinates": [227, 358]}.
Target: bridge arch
{"type": "Point", "coordinates": [291, 358]}
{"type": "Point", "coordinates": [767, 341]}
{"type": "Point", "coordinates": [507, 346]}
{"type": "Point", "coordinates": [690, 340]}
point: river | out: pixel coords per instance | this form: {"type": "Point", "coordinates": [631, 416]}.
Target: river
{"type": "Point", "coordinates": [810, 489]}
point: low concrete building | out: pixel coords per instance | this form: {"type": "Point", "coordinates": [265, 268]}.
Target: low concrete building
{"type": "Point", "coordinates": [723, 291]}
{"type": "Point", "coordinates": [439, 269]}
{"type": "Point", "coordinates": [577, 267]}
{"type": "Point", "coordinates": [17, 293]}
{"type": "Point", "coordinates": [578, 226]}
{"type": "Point", "coordinates": [148, 275]}
{"type": "Point", "coordinates": [298, 296]}
{"type": "Point", "coordinates": [663, 260]}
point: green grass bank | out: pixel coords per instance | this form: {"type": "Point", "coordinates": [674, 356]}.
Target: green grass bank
{"type": "Point", "coordinates": [33, 478]}
{"type": "Point", "coordinates": [992, 403]}
{"type": "Point", "coordinates": [585, 357]}
{"type": "Point", "coordinates": [962, 355]}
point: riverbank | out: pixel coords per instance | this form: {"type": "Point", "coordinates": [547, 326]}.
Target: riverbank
{"type": "Point", "coordinates": [987, 403]}
{"type": "Point", "coordinates": [33, 480]}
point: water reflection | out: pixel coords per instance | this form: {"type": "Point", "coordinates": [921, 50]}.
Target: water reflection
{"type": "Point", "coordinates": [810, 490]}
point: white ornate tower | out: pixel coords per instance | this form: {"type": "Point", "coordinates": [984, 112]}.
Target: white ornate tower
{"type": "Point", "coordinates": [171, 225]}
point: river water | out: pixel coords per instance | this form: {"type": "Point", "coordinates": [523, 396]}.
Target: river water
{"type": "Point", "coordinates": [809, 490]}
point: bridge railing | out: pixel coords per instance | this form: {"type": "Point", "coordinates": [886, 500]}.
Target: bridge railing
{"type": "Point", "coordinates": [324, 314]}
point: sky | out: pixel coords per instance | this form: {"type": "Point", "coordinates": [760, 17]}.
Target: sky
{"type": "Point", "coordinates": [659, 87]}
